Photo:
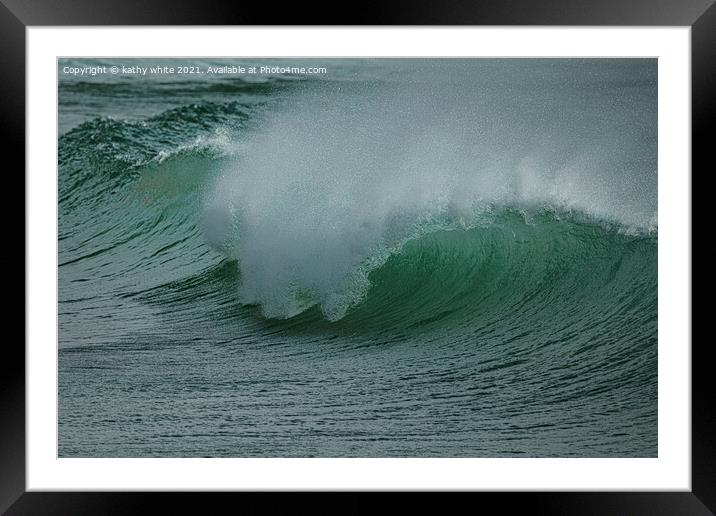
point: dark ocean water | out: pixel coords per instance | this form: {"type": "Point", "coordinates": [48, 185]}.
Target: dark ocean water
{"type": "Point", "coordinates": [394, 258]}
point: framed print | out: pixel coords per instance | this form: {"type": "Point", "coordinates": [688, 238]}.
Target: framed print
{"type": "Point", "coordinates": [369, 258]}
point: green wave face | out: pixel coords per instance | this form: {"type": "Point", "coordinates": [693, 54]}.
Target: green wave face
{"type": "Point", "coordinates": [361, 266]}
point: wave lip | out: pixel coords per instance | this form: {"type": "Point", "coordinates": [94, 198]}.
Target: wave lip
{"type": "Point", "coordinates": [457, 258]}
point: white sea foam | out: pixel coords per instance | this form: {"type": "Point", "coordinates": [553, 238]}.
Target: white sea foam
{"type": "Point", "coordinates": [340, 176]}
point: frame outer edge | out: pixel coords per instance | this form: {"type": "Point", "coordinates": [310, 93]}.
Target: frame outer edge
{"type": "Point", "coordinates": [703, 113]}
{"type": "Point", "coordinates": [12, 383]}
{"type": "Point", "coordinates": [395, 12]}
{"type": "Point", "coordinates": [12, 365]}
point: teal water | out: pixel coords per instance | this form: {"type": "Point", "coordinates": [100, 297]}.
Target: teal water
{"type": "Point", "coordinates": [395, 258]}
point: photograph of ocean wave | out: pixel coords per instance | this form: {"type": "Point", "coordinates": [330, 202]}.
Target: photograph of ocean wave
{"type": "Point", "coordinates": [357, 257]}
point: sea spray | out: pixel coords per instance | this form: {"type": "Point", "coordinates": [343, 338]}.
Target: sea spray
{"type": "Point", "coordinates": [341, 176]}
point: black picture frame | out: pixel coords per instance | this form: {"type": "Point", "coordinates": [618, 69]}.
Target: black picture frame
{"type": "Point", "coordinates": [17, 15]}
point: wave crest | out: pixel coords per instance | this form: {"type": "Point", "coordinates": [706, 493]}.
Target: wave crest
{"type": "Point", "coordinates": [328, 187]}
